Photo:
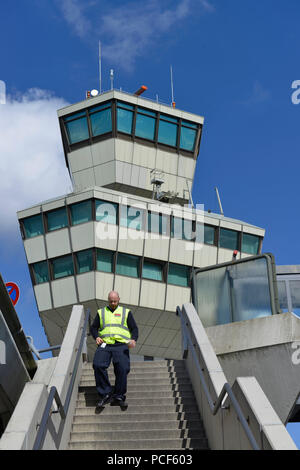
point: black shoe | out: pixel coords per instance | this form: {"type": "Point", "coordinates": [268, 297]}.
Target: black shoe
{"type": "Point", "coordinates": [119, 402]}
{"type": "Point", "coordinates": [104, 400]}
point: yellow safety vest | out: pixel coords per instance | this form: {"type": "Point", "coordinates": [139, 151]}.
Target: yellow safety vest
{"type": "Point", "coordinates": [113, 325]}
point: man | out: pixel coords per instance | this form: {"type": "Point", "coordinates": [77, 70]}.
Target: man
{"type": "Point", "coordinates": [114, 330]}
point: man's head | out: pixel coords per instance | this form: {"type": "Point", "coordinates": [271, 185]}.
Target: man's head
{"type": "Point", "coordinates": [113, 299]}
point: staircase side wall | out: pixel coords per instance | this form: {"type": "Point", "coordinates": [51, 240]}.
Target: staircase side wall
{"type": "Point", "coordinates": [223, 430]}
{"type": "Point", "coordinates": [22, 428]}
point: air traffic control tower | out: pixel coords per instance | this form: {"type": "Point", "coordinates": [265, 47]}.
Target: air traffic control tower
{"type": "Point", "coordinates": [128, 224]}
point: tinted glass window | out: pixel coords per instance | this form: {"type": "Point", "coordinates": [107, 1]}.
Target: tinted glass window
{"type": "Point", "coordinates": [41, 272]}
{"type": "Point", "coordinates": [33, 226]}
{"type": "Point", "coordinates": [152, 271]}
{"type": "Point", "coordinates": [182, 229]}
{"type": "Point", "coordinates": [187, 138]}
{"type": "Point", "coordinates": [178, 275]}
{"type": "Point", "coordinates": [127, 265]}
{"type": "Point", "coordinates": [167, 133]}
{"type": "Point", "coordinates": [250, 244]}
{"type": "Point", "coordinates": [106, 212]}
{"type": "Point", "coordinates": [101, 122]}
{"type": "Point", "coordinates": [85, 261]}
{"type": "Point", "coordinates": [77, 130]}
{"type": "Point", "coordinates": [63, 267]}
{"type": "Point", "coordinates": [81, 212]}
{"type": "Point", "coordinates": [145, 126]}
{"type": "Point", "coordinates": [229, 239]}
{"type": "Point", "coordinates": [105, 260]}
{"type": "Point", "coordinates": [157, 223]}
{"type": "Point", "coordinates": [205, 234]}
{"type": "Point", "coordinates": [124, 118]}
{"type": "Point", "coordinates": [57, 219]}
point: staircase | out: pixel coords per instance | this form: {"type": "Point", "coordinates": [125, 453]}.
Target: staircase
{"type": "Point", "coordinates": [162, 412]}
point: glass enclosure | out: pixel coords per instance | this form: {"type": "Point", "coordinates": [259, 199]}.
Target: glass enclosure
{"type": "Point", "coordinates": [236, 291]}
{"type": "Point", "coordinates": [132, 120]}
{"type": "Point", "coordinates": [289, 292]}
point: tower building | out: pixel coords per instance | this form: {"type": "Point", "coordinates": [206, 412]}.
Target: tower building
{"type": "Point", "coordinates": [128, 224]}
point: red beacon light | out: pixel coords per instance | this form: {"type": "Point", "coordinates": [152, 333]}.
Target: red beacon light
{"type": "Point", "coordinates": [235, 253]}
{"type": "Point", "coordinates": [141, 90]}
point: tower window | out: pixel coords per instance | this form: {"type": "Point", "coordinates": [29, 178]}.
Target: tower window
{"type": "Point", "coordinates": [77, 127]}
{"type": "Point", "coordinates": [85, 261]}
{"type": "Point", "coordinates": [105, 260]}
{"type": "Point", "coordinates": [124, 118]}
{"type": "Point", "coordinates": [167, 131]}
{"type": "Point", "coordinates": [128, 265]}
{"type": "Point", "coordinates": [250, 244]}
{"type": "Point", "coordinates": [145, 124]}
{"type": "Point", "coordinates": [57, 219]}
{"type": "Point", "coordinates": [81, 212]}
{"type": "Point", "coordinates": [33, 226]}
{"type": "Point", "coordinates": [229, 239]}
{"type": "Point", "coordinates": [188, 135]}
{"type": "Point", "coordinates": [63, 267]}
{"type": "Point", "coordinates": [178, 275]}
{"type": "Point", "coordinates": [40, 271]}
{"type": "Point", "coordinates": [100, 118]}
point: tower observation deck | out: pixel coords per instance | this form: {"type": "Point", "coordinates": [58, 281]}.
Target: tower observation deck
{"type": "Point", "coordinates": [127, 225]}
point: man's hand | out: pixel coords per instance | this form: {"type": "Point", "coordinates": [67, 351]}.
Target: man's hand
{"type": "Point", "coordinates": [132, 343]}
{"type": "Point", "coordinates": [99, 340]}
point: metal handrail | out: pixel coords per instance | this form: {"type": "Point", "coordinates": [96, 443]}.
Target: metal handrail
{"type": "Point", "coordinates": [215, 406]}
{"type": "Point", "coordinates": [54, 395]}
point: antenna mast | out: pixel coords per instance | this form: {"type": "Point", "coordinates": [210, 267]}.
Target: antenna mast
{"type": "Point", "coordinates": [172, 88]}
{"type": "Point", "coordinates": [219, 200]}
{"type": "Point", "coordinates": [111, 79]}
{"type": "Point", "coordinates": [100, 69]}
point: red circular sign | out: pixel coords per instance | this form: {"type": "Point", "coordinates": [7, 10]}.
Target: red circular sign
{"type": "Point", "coordinates": [13, 291]}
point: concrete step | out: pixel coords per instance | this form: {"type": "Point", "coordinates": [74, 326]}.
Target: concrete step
{"type": "Point", "coordinates": [125, 417]}
{"type": "Point", "coordinates": [140, 375]}
{"type": "Point", "coordinates": [162, 413]}
{"type": "Point", "coordinates": [140, 387]}
{"type": "Point", "coordinates": [140, 370]}
{"type": "Point", "coordinates": [154, 382]}
{"type": "Point", "coordinates": [145, 394]}
{"type": "Point", "coordinates": [137, 435]}
{"type": "Point", "coordinates": [145, 364]}
{"type": "Point", "coordinates": [142, 401]}
{"type": "Point", "coordinates": [82, 426]}
{"type": "Point", "coordinates": [137, 409]}
{"type": "Point", "coordinates": [153, 444]}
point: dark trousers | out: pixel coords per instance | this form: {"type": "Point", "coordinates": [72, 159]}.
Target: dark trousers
{"type": "Point", "coordinates": [119, 354]}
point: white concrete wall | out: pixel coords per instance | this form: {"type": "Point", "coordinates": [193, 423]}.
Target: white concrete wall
{"type": "Point", "coordinates": [21, 430]}
{"type": "Point", "coordinates": [223, 430]}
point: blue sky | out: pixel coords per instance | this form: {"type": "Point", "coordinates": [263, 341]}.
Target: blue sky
{"type": "Point", "coordinates": [233, 62]}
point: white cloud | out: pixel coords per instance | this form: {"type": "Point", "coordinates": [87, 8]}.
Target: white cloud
{"type": "Point", "coordinates": [73, 12]}
{"type": "Point", "coordinates": [126, 31]}
{"type": "Point", "coordinates": [258, 95]}
{"type": "Point", "coordinates": [32, 164]}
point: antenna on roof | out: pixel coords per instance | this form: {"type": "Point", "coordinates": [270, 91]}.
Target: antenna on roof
{"type": "Point", "coordinates": [172, 88]}
{"type": "Point", "coordinates": [100, 69]}
{"type": "Point", "coordinates": [219, 200]}
{"type": "Point", "coordinates": [111, 79]}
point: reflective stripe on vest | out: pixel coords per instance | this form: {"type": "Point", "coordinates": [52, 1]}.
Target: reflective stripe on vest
{"type": "Point", "coordinates": [114, 331]}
